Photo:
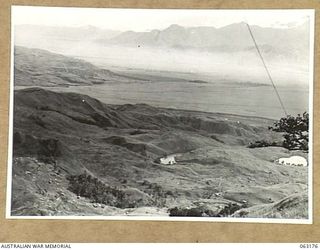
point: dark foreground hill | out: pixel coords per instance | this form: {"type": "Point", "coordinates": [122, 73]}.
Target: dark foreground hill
{"type": "Point", "coordinates": [74, 155]}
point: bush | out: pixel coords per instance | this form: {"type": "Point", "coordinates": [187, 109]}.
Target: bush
{"type": "Point", "coordinates": [191, 212]}
{"type": "Point", "coordinates": [261, 144]}
{"type": "Point", "coordinates": [157, 193]}
{"type": "Point", "coordinates": [90, 187]}
{"type": "Point", "coordinates": [230, 209]}
{"type": "Point", "coordinates": [200, 211]}
{"type": "Point", "coordinates": [296, 131]}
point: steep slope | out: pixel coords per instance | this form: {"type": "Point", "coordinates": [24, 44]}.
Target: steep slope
{"type": "Point", "coordinates": [74, 155]}
{"type": "Point", "coordinates": [35, 67]}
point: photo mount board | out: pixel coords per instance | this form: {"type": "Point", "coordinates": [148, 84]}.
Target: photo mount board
{"type": "Point", "coordinates": [153, 219]}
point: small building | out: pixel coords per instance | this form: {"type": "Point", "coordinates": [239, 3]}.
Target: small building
{"type": "Point", "coordinates": [293, 161]}
{"type": "Point", "coordinates": [166, 160]}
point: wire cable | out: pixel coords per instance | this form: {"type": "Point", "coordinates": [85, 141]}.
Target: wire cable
{"type": "Point", "coordinates": [266, 68]}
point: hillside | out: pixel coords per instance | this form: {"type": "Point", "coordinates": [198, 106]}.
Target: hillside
{"type": "Point", "coordinates": [36, 67]}
{"type": "Point", "coordinates": [74, 155]}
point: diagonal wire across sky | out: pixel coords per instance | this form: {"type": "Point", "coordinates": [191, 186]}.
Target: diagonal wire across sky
{"type": "Point", "coordinates": [267, 70]}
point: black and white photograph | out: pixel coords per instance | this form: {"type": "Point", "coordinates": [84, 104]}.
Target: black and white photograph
{"type": "Point", "coordinates": [161, 114]}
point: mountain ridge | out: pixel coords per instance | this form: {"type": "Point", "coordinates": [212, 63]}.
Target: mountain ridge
{"type": "Point", "coordinates": [291, 43]}
{"type": "Point", "coordinates": [203, 32]}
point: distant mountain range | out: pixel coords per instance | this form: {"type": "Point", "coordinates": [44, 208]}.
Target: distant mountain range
{"type": "Point", "coordinates": [276, 43]}
{"type": "Point", "coordinates": [292, 42]}
{"type": "Point", "coordinates": [232, 37]}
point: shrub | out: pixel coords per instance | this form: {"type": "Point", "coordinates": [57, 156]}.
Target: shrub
{"type": "Point", "coordinates": [261, 144]}
{"type": "Point", "coordinates": [296, 131]}
{"type": "Point", "coordinates": [200, 211]}
{"type": "Point", "coordinates": [157, 193]}
{"type": "Point", "coordinates": [90, 187]}
{"type": "Point", "coordinates": [191, 212]}
{"type": "Point", "coordinates": [230, 209]}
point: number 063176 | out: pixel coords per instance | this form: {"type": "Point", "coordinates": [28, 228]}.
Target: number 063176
{"type": "Point", "coordinates": [311, 245]}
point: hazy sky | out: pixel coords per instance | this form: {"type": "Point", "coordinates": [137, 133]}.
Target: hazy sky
{"type": "Point", "coordinates": [143, 20]}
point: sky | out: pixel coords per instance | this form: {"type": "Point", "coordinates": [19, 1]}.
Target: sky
{"type": "Point", "coordinates": [148, 19]}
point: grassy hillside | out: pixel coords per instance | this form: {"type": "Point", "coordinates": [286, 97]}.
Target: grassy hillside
{"type": "Point", "coordinates": [74, 155]}
{"type": "Point", "coordinates": [36, 67]}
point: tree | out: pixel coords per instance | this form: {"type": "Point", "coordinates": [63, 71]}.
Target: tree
{"type": "Point", "coordinates": [296, 131]}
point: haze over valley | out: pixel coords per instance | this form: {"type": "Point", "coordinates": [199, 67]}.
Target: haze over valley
{"type": "Point", "coordinates": [226, 53]}
{"type": "Point", "coordinates": [210, 60]}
